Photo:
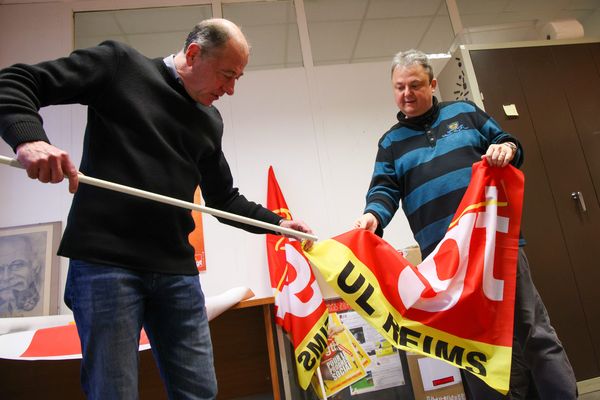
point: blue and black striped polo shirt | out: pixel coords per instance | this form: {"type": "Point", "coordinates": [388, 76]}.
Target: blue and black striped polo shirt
{"type": "Point", "coordinates": [425, 163]}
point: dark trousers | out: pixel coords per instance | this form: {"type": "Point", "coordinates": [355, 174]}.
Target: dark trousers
{"type": "Point", "coordinates": [540, 366]}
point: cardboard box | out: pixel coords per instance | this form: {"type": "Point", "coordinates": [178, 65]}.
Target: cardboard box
{"type": "Point", "coordinates": [434, 379]}
{"type": "Point", "coordinates": [412, 254]}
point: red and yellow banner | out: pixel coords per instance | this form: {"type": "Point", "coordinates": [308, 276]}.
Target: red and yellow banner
{"type": "Point", "coordinates": [299, 306]}
{"type": "Point", "coordinates": [458, 304]}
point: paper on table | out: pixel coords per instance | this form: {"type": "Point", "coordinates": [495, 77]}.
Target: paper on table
{"type": "Point", "coordinates": [216, 305]}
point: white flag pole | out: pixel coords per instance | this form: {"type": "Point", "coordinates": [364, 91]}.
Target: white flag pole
{"type": "Point", "coordinates": [176, 202]}
{"type": "Point", "coordinates": [321, 383]}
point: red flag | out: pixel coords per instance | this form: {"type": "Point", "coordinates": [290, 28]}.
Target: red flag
{"type": "Point", "coordinates": [299, 305]}
{"type": "Point", "coordinates": [458, 304]}
{"type": "Point", "coordinates": [196, 237]}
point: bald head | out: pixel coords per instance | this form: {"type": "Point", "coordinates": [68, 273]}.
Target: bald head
{"type": "Point", "coordinates": [213, 34]}
{"type": "Point", "coordinates": [213, 59]}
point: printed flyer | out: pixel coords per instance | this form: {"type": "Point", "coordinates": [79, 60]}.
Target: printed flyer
{"type": "Point", "coordinates": [343, 363]}
{"type": "Point", "coordinates": [358, 358]}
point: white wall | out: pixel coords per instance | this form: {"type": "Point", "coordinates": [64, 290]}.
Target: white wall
{"type": "Point", "coordinates": [591, 25]}
{"type": "Point", "coordinates": [318, 128]}
{"type": "Point", "coordinates": [509, 32]}
{"type": "Point", "coordinates": [47, 35]}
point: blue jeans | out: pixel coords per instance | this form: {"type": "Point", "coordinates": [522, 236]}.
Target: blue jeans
{"type": "Point", "coordinates": [110, 306]}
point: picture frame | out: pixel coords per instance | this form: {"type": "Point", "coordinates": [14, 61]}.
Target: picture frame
{"type": "Point", "coordinates": [29, 270]}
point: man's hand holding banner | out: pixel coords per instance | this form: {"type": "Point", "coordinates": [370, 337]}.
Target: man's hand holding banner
{"type": "Point", "coordinates": [458, 304]}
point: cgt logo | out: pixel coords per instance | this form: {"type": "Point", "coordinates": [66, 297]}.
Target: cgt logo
{"type": "Point", "coordinates": [455, 249]}
{"type": "Point", "coordinates": [289, 299]}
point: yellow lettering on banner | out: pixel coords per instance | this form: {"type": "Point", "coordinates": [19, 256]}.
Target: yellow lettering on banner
{"type": "Point", "coordinates": [309, 352]}
{"type": "Point", "coordinates": [358, 286]}
{"type": "Point", "coordinates": [471, 355]}
{"type": "Point", "coordinates": [354, 280]}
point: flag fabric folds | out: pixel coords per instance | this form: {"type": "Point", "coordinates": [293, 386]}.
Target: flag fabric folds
{"type": "Point", "coordinates": [299, 306]}
{"type": "Point", "coordinates": [458, 304]}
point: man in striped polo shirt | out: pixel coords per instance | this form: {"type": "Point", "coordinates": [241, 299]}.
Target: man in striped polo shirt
{"type": "Point", "coordinates": [424, 162]}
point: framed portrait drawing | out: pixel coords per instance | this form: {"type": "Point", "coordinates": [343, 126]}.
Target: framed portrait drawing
{"type": "Point", "coordinates": [29, 269]}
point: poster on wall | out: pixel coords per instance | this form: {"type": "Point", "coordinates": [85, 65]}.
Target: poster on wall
{"type": "Point", "coordinates": [359, 363]}
{"type": "Point", "coordinates": [29, 269]}
{"type": "Point", "coordinates": [196, 237]}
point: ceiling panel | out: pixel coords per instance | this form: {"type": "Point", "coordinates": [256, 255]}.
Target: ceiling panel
{"type": "Point", "coordinates": [579, 15]}
{"type": "Point", "coordinates": [272, 31]}
{"type": "Point", "coordinates": [157, 44]}
{"type": "Point", "coordinates": [340, 31]}
{"type": "Point", "coordinates": [488, 7]}
{"type": "Point", "coordinates": [364, 34]}
{"type": "Point", "coordinates": [438, 37]}
{"type": "Point", "coordinates": [153, 31]}
{"type": "Point", "coordinates": [534, 6]}
{"type": "Point", "coordinates": [521, 16]}
{"type": "Point", "coordinates": [335, 10]}
{"type": "Point", "coordinates": [402, 8]}
{"type": "Point", "coordinates": [260, 13]}
{"type": "Point", "coordinates": [165, 19]}
{"type": "Point", "coordinates": [333, 41]}
{"type": "Point", "coordinates": [268, 44]}
{"type": "Point", "coordinates": [473, 20]}
{"type": "Point", "coordinates": [583, 5]}
{"type": "Point", "coordinates": [384, 38]}
{"type": "Point", "coordinates": [494, 12]}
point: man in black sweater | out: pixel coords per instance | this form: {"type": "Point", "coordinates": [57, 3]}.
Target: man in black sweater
{"type": "Point", "coordinates": [151, 125]}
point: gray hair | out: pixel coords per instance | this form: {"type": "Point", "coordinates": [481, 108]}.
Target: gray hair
{"type": "Point", "coordinates": [210, 34]}
{"type": "Point", "coordinates": [412, 57]}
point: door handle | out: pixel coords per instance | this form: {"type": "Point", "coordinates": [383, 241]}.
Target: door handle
{"type": "Point", "coordinates": [579, 197]}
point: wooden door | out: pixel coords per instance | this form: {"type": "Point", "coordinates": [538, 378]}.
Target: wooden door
{"type": "Point", "coordinates": [563, 240]}
{"type": "Point", "coordinates": [579, 67]}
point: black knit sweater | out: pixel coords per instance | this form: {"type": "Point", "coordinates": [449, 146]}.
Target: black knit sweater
{"type": "Point", "coordinates": [143, 131]}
